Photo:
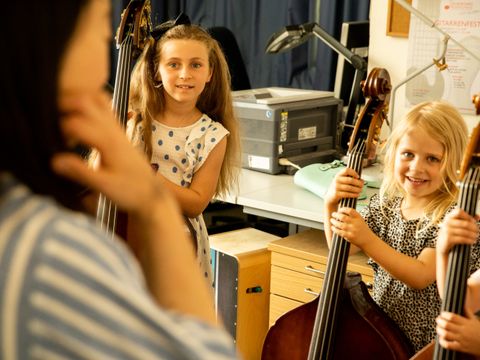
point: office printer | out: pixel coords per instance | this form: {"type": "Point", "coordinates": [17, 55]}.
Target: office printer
{"type": "Point", "coordinates": [294, 125]}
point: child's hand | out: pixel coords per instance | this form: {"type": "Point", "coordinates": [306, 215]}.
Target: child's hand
{"type": "Point", "coordinates": [349, 224]}
{"type": "Point", "coordinates": [457, 228]}
{"type": "Point", "coordinates": [346, 184]}
{"type": "Point", "coordinates": [459, 333]}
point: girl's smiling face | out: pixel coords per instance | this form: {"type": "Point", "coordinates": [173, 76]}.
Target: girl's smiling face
{"type": "Point", "coordinates": [418, 166]}
{"type": "Point", "coordinates": [184, 69]}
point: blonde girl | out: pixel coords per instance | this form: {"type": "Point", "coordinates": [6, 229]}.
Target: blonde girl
{"type": "Point", "coordinates": [184, 120]}
{"type": "Point", "coordinates": [399, 227]}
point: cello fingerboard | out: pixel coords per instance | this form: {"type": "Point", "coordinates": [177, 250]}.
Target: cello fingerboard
{"type": "Point", "coordinates": [122, 82]}
{"type": "Point", "coordinates": [459, 260]}
{"type": "Point", "coordinates": [107, 214]}
{"type": "Point", "coordinates": [324, 328]}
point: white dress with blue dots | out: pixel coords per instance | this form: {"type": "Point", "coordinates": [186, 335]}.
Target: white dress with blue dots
{"type": "Point", "coordinates": [178, 153]}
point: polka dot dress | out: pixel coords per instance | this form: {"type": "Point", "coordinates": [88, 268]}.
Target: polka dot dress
{"type": "Point", "coordinates": [178, 153]}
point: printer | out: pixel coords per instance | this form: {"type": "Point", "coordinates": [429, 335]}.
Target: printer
{"type": "Point", "coordinates": [282, 126]}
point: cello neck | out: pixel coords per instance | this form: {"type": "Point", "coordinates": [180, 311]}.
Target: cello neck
{"type": "Point", "coordinates": [321, 343]}
{"type": "Point", "coordinates": [132, 34]}
{"type": "Point", "coordinates": [459, 261]}
{"type": "Point", "coordinates": [459, 257]}
{"type": "Point", "coordinates": [122, 80]}
{"type": "Point", "coordinates": [106, 209]}
{"type": "Point", "coordinates": [458, 265]}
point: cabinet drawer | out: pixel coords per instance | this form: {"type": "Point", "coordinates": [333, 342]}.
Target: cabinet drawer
{"type": "Point", "coordinates": [356, 263]}
{"type": "Point", "coordinates": [279, 305]}
{"type": "Point", "coordinates": [300, 265]}
{"type": "Point", "coordinates": [293, 284]}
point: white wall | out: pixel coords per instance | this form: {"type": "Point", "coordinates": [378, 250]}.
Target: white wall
{"type": "Point", "coordinates": [391, 53]}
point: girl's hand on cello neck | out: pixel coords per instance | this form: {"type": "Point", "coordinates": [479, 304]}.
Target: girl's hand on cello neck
{"type": "Point", "coordinates": [457, 228]}
{"type": "Point", "coordinates": [346, 184]}
{"type": "Point", "coordinates": [349, 224]}
{"type": "Point", "coordinates": [459, 333]}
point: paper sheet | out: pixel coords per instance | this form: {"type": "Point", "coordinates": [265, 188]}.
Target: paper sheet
{"type": "Point", "coordinates": [456, 84]}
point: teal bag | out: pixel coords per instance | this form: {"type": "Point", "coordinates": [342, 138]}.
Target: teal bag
{"type": "Point", "coordinates": [317, 178]}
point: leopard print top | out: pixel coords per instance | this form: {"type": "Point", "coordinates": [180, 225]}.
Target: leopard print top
{"type": "Point", "coordinates": [413, 310]}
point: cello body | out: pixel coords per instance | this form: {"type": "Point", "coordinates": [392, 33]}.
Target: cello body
{"type": "Point", "coordinates": [363, 330]}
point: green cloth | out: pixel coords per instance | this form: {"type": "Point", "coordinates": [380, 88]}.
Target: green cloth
{"type": "Point", "coordinates": [317, 178]}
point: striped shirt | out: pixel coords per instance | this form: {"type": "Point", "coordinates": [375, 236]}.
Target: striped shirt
{"type": "Point", "coordinates": [70, 292]}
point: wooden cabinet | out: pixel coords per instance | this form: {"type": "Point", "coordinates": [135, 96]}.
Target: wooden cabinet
{"type": "Point", "coordinates": [241, 263]}
{"type": "Point", "coordinates": [298, 264]}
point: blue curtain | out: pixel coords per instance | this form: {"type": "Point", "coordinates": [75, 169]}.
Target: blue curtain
{"type": "Point", "coordinates": [308, 66]}
{"type": "Point", "coordinates": [332, 14]}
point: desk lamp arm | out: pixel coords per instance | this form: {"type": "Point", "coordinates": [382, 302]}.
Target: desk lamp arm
{"type": "Point", "coordinates": [357, 61]}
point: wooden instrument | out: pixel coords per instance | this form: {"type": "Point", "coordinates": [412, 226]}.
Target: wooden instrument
{"type": "Point", "coordinates": [132, 33]}
{"type": "Point", "coordinates": [459, 257]}
{"type": "Point", "coordinates": [344, 322]}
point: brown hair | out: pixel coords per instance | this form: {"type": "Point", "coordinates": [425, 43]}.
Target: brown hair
{"type": "Point", "coordinates": [147, 97]}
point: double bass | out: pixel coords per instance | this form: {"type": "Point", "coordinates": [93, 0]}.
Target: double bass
{"type": "Point", "coordinates": [132, 33]}
{"type": "Point", "coordinates": [459, 256]}
{"type": "Point", "coordinates": [344, 322]}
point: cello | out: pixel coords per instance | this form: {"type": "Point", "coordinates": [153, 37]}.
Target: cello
{"type": "Point", "coordinates": [459, 256]}
{"type": "Point", "coordinates": [132, 33]}
{"type": "Point", "coordinates": [344, 322]}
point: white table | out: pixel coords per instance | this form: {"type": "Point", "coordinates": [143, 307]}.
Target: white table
{"type": "Point", "coordinates": [277, 197]}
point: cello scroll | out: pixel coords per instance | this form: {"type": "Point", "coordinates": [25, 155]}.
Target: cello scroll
{"type": "Point", "coordinates": [135, 22]}
{"type": "Point", "coordinates": [376, 89]}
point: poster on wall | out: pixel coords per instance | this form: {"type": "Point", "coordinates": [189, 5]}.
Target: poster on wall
{"type": "Point", "coordinates": [461, 77]}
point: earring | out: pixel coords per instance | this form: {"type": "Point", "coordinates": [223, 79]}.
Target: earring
{"type": "Point", "coordinates": [158, 85]}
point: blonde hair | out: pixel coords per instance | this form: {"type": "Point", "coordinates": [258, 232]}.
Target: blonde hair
{"type": "Point", "coordinates": [147, 97]}
{"type": "Point", "coordinates": [444, 124]}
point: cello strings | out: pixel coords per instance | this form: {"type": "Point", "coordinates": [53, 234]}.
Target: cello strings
{"type": "Point", "coordinates": [460, 254]}
{"type": "Point", "coordinates": [459, 259]}
{"type": "Point", "coordinates": [336, 269]}
{"type": "Point", "coordinates": [106, 209]}
{"type": "Point", "coordinates": [122, 97]}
